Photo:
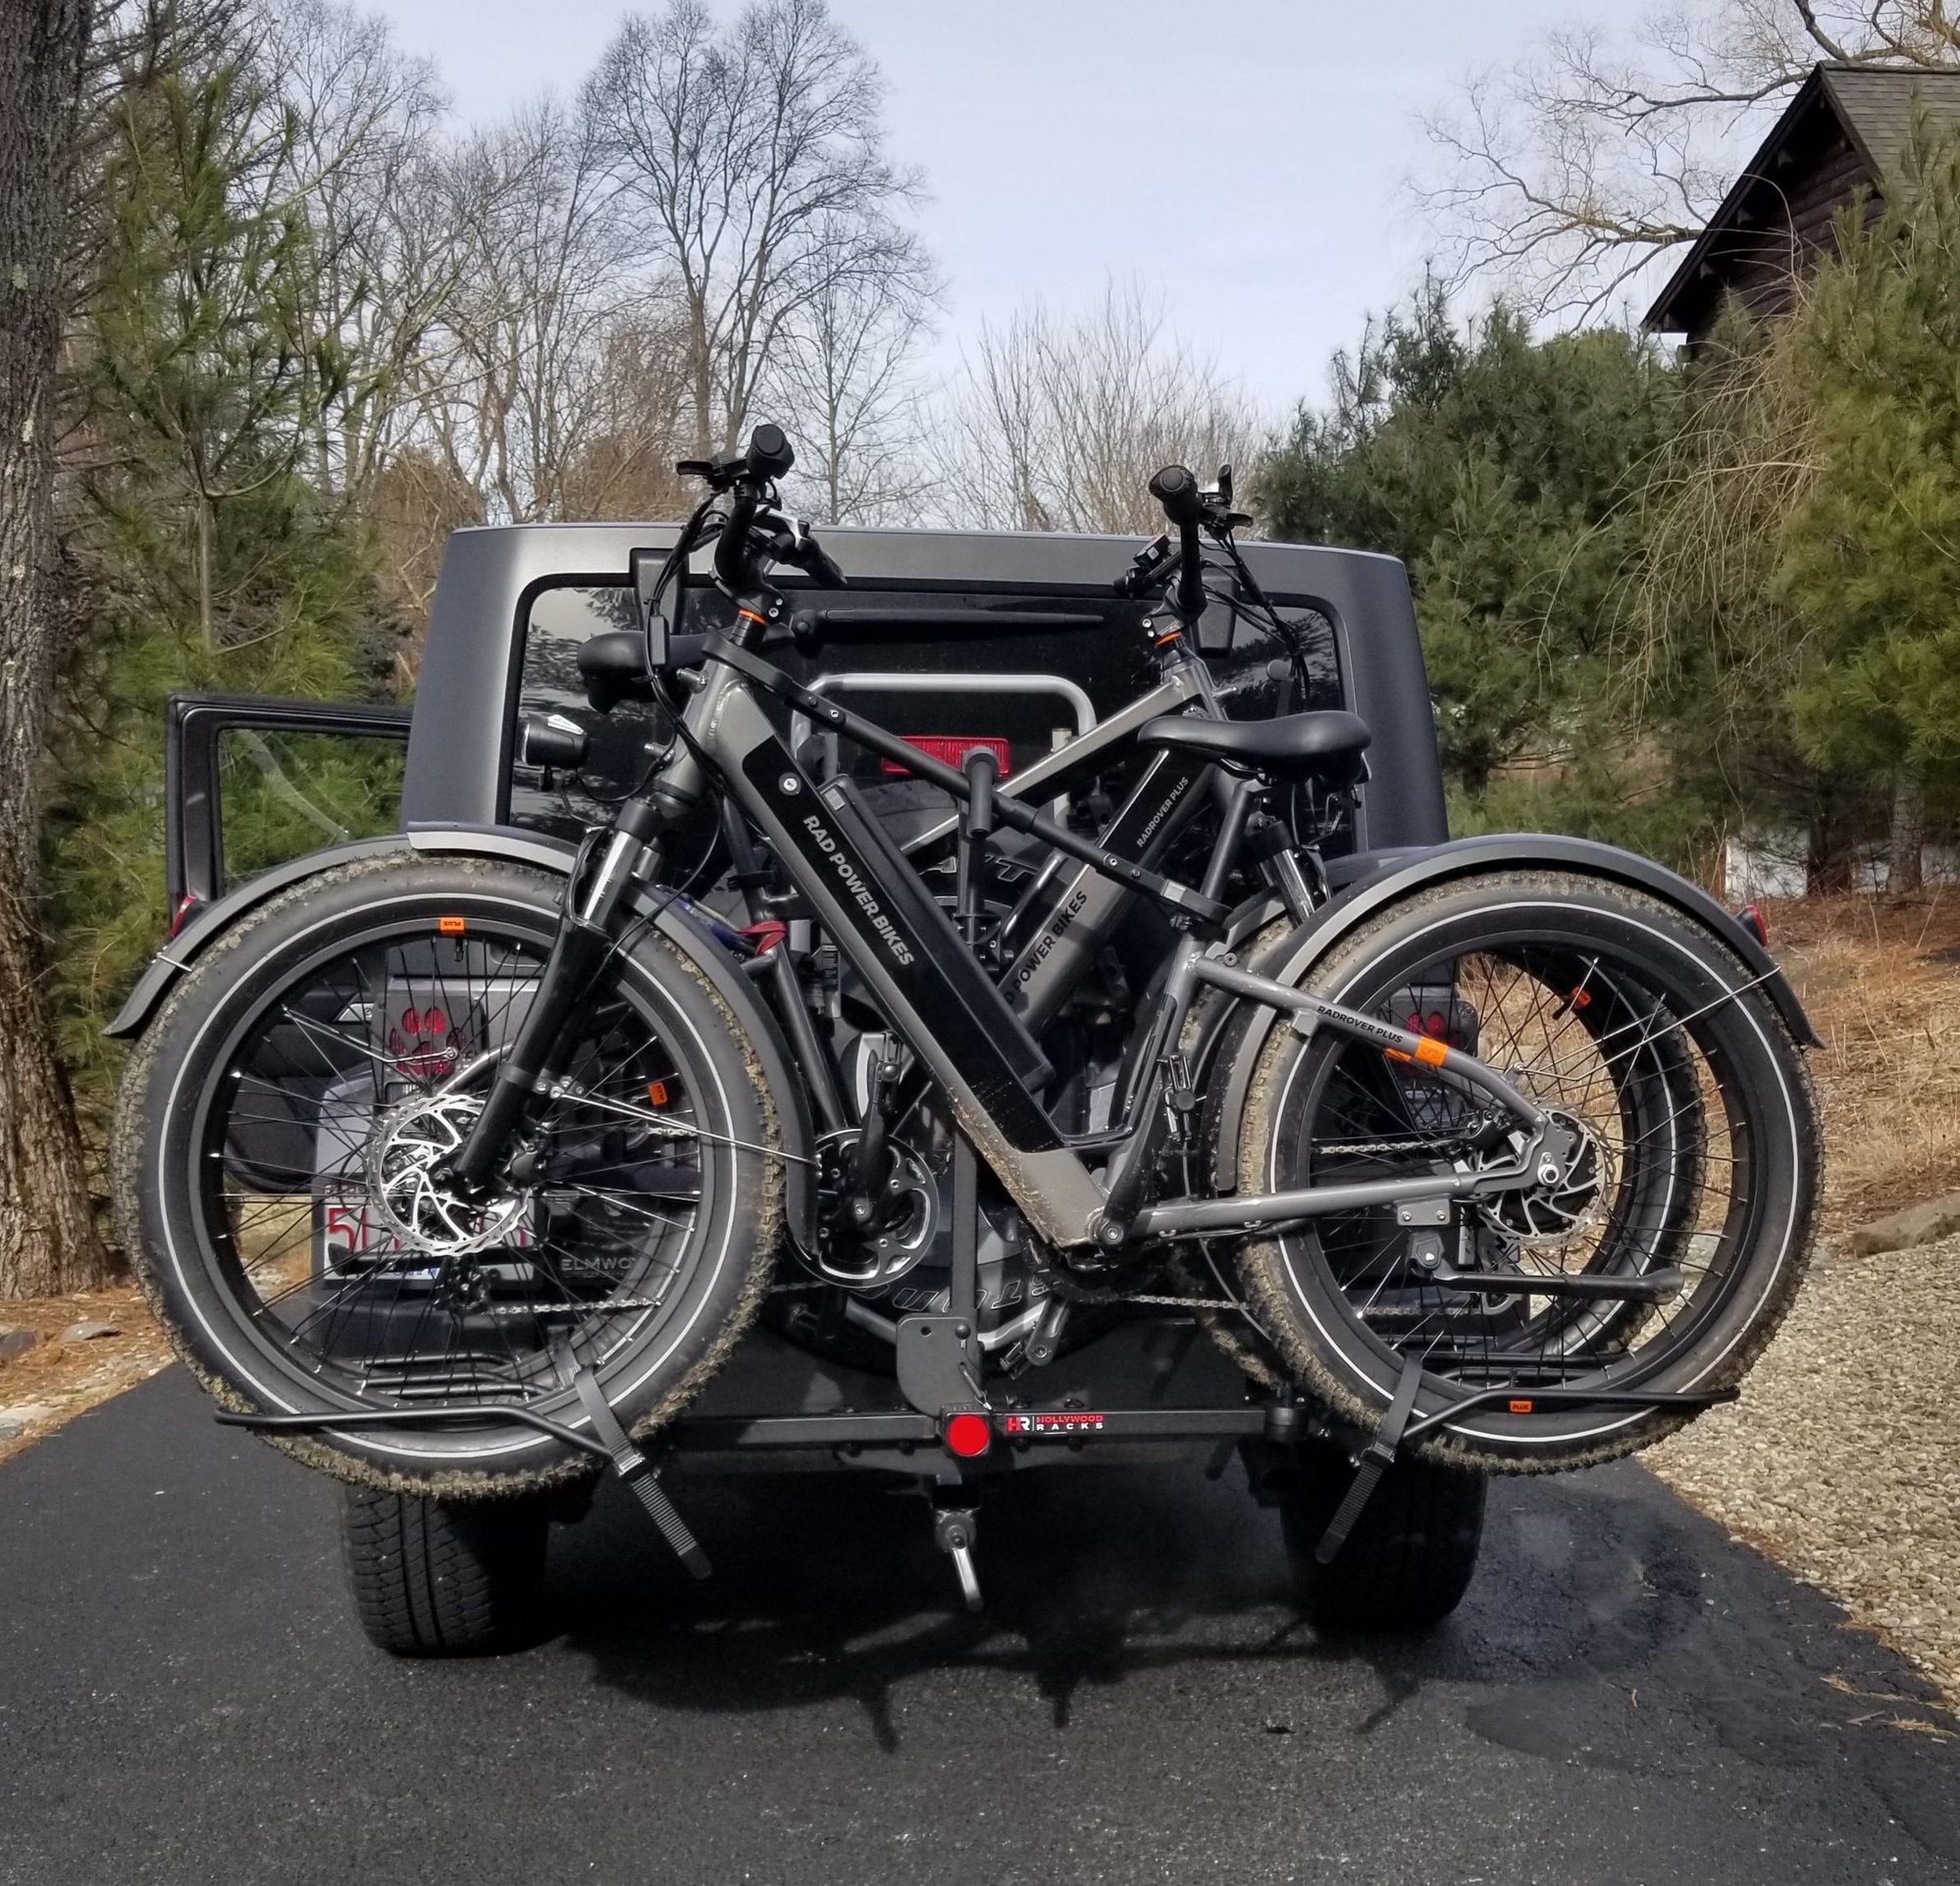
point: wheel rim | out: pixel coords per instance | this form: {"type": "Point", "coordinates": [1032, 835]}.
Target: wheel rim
{"type": "Point", "coordinates": [349, 1269]}
{"type": "Point", "coordinates": [1649, 1077]}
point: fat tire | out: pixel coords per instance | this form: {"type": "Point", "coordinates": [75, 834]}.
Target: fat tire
{"type": "Point", "coordinates": [1343, 1373]}
{"type": "Point", "coordinates": [150, 1204]}
{"type": "Point", "coordinates": [443, 1577]}
{"type": "Point", "coordinates": [1412, 1554]}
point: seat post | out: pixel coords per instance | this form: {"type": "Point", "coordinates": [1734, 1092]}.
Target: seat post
{"type": "Point", "coordinates": [1245, 795]}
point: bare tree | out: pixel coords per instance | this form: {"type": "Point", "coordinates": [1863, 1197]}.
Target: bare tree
{"type": "Point", "coordinates": [753, 158]}
{"type": "Point", "coordinates": [623, 467]}
{"type": "Point", "coordinates": [1056, 424]}
{"type": "Point", "coordinates": [362, 119]}
{"type": "Point", "coordinates": [48, 1241]}
{"type": "Point", "coordinates": [846, 377]}
{"type": "Point", "coordinates": [1565, 175]}
{"type": "Point", "coordinates": [512, 381]}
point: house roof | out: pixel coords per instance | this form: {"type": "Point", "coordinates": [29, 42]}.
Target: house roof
{"type": "Point", "coordinates": [1876, 104]}
{"type": "Point", "coordinates": [1874, 107]}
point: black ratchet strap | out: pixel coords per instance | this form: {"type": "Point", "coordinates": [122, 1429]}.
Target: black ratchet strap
{"type": "Point", "coordinates": [630, 1462]}
{"type": "Point", "coordinates": [1377, 1460]}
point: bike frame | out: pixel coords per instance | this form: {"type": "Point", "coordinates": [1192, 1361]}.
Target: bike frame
{"type": "Point", "coordinates": [965, 1032]}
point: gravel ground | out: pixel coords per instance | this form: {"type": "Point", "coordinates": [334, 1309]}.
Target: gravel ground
{"type": "Point", "coordinates": [1842, 1458]}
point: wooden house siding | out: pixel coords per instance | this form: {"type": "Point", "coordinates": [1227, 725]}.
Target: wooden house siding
{"type": "Point", "coordinates": [1847, 132]}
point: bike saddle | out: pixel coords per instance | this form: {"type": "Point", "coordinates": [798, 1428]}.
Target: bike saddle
{"type": "Point", "coordinates": [1320, 745]}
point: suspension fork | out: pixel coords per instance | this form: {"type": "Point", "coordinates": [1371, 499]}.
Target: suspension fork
{"type": "Point", "coordinates": [630, 855]}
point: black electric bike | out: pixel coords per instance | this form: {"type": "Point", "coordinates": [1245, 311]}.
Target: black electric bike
{"type": "Point", "coordinates": [450, 1178]}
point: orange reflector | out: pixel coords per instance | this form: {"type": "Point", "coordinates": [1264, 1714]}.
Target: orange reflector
{"type": "Point", "coordinates": [1580, 999]}
{"type": "Point", "coordinates": [1520, 1408]}
{"type": "Point", "coordinates": [969, 1435]}
{"type": "Point", "coordinates": [451, 926]}
{"type": "Point", "coordinates": [1431, 1054]}
{"type": "Point", "coordinates": [657, 1092]}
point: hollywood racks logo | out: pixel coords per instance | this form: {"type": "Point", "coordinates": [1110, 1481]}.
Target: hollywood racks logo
{"type": "Point", "coordinates": [860, 892]}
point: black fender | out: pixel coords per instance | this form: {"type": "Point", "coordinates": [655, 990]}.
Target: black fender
{"type": "Point", "coordinates": [674, 919]}
{"type": "Point", "coordinates": [1403, 874]}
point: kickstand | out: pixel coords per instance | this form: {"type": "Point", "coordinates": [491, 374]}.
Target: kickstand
{"type": "Point", "coordinates": [1376, 1458]}
{"type": "Point", "coordinates": [953, 1531]}
{"type": "Point", "coordinates": [631, 1462]}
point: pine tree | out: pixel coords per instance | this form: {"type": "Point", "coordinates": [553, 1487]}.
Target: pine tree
{"type": "Point", "coordinates": [208, 560]}
{"type": "Point", "coordinates": [1871, 556]}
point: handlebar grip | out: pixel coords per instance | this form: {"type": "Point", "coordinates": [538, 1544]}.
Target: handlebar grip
{"type": "Point", "coordinates": [1177, 491]}
{"type": "Point", "coordinates": [770, 453]}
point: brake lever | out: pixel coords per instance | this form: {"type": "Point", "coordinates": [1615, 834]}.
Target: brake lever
{"type": "Point", "coordinates": [790, 543]}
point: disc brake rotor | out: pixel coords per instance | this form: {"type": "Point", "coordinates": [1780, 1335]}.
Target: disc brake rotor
{"type": "Point", "coordinates": [410, 1146]}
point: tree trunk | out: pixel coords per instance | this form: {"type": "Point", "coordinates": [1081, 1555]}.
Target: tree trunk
{"type": "Point", "coordinates": [47, 1234]}
{"type": "Point", "coordinates": [1906, 852]}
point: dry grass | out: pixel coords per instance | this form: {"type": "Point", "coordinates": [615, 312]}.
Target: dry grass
{"type": "Point", "coordinates": [65, 1379]}
{"type": "Point", "coordinates": [1881, 982]}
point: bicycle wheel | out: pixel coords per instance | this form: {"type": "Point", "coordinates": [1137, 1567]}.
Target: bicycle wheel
{"type": "Point", "coordinates": [1666, 1251]}
{"type": "Point", "coordinates": [279, 1152]}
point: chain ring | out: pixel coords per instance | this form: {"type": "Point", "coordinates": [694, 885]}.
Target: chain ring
{"type": "Point", "coordinates": [890, 1250]}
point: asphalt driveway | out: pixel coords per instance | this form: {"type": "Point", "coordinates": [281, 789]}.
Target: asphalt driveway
{"type": "Point", "coordinates": [1625, 1697]}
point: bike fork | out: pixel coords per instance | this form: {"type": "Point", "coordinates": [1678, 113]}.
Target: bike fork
{"type": "Point", "coordinates": [630, 854]}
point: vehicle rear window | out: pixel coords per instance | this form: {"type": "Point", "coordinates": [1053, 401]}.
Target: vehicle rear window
{"type": "Point", "coordinates": [935, 685]}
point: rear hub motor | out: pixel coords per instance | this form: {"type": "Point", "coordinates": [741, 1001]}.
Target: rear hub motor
{"type": "Point", "coordinates": [1573, 1174]}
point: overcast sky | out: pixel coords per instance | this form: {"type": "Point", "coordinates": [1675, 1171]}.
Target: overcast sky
{"type": "Point", "coordinates": [1245, 159]}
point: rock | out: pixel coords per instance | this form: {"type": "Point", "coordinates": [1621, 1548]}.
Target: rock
{"type": "Point", "coordinates": [88, 1331]}
{"type": "Point", "coordinates": [1916, 1225]}
{"type": "Point", "coordinates": [20, 1417]}
{"type": "Point", "coordinates": [16, 1342]}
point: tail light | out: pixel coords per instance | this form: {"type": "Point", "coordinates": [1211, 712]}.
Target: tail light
{"type": "Point", "coordinates": [969, 1435]}
{"type": "Point", "coordinates": [952, 749]}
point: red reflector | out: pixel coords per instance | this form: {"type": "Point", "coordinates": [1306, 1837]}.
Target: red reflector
{"type": "Point", "coordinates": [1755, 921]}
{"type": "Point", "coordinates": [185, 905]}
{"type": "Point", "coordinates": [969, 1435]}
{"type": "Point", "coordinates": [952, 749]}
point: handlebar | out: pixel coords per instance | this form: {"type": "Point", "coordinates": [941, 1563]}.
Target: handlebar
{"type": "Point", "coordinates": [1187, 507]}
{"type": "Point", "coordinates": [1177, 491]}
